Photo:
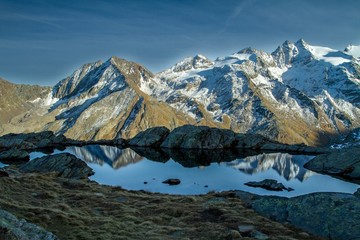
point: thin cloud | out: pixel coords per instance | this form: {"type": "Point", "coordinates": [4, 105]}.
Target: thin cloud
{"type": "Point", "coordinates": [39, 19]}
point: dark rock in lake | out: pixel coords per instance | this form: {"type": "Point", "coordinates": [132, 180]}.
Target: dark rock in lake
{"type": "Point", "coordinates": [13, 156]}
{"type": "Point", "coordinates": [344, 163]}
{"type": "Point", "coordinates": [199, 137]}
{"type": "Point", "coordinates": [152, 137]}
{"type": "Point", "coordinates": [64, 164]}
{"type": "Point", "coordinates": [269, 184]}
{"type": "Point", "coordinates": [15, 229]}
{"type": "Point", "coordinates": [172, 181]}
{"type": "Point", "coordinates": [331, 215]}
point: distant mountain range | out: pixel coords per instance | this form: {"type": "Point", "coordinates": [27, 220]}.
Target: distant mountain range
{"type": "Point", "coordinates": [298, 93]}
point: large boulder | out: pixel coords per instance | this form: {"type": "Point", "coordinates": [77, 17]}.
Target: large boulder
{"type": "Point", "coordinates": [152, 137]}
{"type": "Point", "coordinates": [29, 141]}
{"type": "Point", "coordinates": [250, 141]}
{"type": "Point", "coordinates": [343, 163]}
{"type": "Point", "coordinates": [64, 164]}
{"type": "Point", "coordinates": [14, 155]}
{"type": "Point", "coordinates": [331, 215]}
{"type": "Point", "coordinates": [11, 228]}
{"type": "Point", "coordinates": [199, 137]}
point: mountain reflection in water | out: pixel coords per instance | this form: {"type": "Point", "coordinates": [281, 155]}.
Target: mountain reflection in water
{"type": "Point", "coordinates": [113, 156]}
{"type": "Point", "coordinates": [286, 165]}
{"type": "Point", "coordinates": [201, 171]}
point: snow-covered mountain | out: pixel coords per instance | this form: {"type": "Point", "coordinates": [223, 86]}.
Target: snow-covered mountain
{"type": "Point", "coordinates": [298, 93]}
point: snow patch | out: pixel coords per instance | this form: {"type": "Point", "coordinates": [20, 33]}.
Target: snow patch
{"type": "Point", "coordinates": [353, 50]}
{"type": "Point", "coordinates": [329, 55]}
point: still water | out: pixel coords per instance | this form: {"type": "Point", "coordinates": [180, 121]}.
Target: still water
{"type": "Point", "coordinates": [202, 171]}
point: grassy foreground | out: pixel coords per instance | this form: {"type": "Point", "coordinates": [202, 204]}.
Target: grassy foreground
{"type": "Point", "coordinates": [82, 209]}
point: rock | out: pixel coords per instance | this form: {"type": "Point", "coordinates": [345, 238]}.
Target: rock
{"type": "Point", "coordinates": [3, 174]}
{"type": "Point", "coordinates": [152, 137]}
{"type": "Point", "coordinates": [324, 214]}
{"type": "Point", "coordinates": [199, 137]}
{"type": "Point", "coordinates": [172, 181]}
{"type": "Point", "coordinates": [64, 164]}
{"type": "Point", "coordinates": [30, 141]}
{"type": "Point", "coordinates": [15, 229]}
{"type": "Point", "coordinates": [119, 142]}
{"type": "Point", "coordinates": [344, 163]}
{"type": "Point", "coordinates": [233, 234]}
{"type": "Point", "coordinates": [269, 184]}
{"type": "Point", "coordinates": [250, 141]}
{"type": "Point", "coordinates": [278, 147]}
{"type": "Point", "coordinates": [14, 155]}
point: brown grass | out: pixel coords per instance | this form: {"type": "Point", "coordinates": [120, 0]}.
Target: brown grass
{"type": "Point", "coordinates": [80, 209]}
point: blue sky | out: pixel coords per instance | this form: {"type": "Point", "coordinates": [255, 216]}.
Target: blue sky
{"type": "Point", "coordinates": [42, 42]}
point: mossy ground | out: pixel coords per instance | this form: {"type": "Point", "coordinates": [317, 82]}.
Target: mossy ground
{"type": "Point", "coordinates": [82, 209]}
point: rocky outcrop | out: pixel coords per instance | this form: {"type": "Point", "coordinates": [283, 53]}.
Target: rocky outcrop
{"type": "Point", "coordinates": [64, 165]}
{"type": "Point", "coordinates": [199, 137]}
{"type": "Point", "coordinates": [269, 184]}
{"type": "Point", "coordinates": [12, 228]}
{"type": "Point", "coordinates": [331, 215]}
{"type": "Point", "coordinates": [343, 163]}
{"type": "Point", "coordinates": [152, 137]}
{"type": "Point", "coordinates": [14, 155]}
{"type": "Point", "coordinates": [30, 141]}
{"type": "Point", "coordinates": [17, 144]}
{"type": "Point", "coordinates": [279, 147]}
{"type": "Point", "coordinates": [203, 137]}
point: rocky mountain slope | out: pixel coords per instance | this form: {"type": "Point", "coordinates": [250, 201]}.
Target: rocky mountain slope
{"type": "Point", "coordinates": [18, 98]}
{"type": "Point", "coordinates": [298, 93]}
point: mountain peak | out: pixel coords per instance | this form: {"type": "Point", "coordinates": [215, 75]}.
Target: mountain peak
{"type": "Point", "coordinates": [301, 42]}
{"type": "Point", "coordinates": [353, 50]}
{"type": "Point", "coordinates": [197, 62]}
{"type": "Point", "coordinates": [248, 50]}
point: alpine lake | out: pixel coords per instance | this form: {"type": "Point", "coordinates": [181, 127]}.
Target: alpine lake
{"type": "Point", "coordinates": [202, 171]}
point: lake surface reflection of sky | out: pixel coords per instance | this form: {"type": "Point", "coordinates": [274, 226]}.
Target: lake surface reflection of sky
{"type": "Point", "coordinates": [203, 171]}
